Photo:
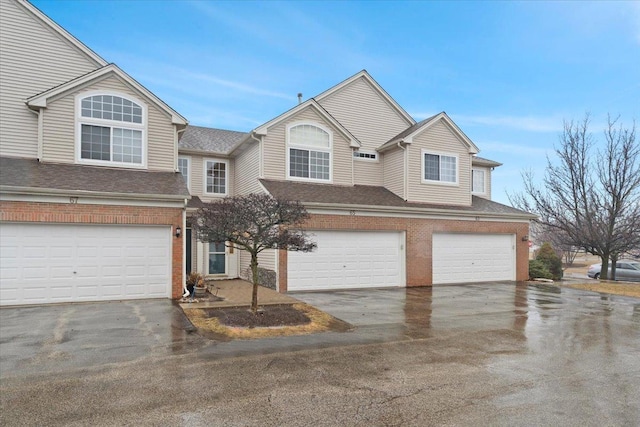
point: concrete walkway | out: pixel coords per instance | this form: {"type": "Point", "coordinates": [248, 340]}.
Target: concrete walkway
{"type": "Point", "coordinates": [237, 293]}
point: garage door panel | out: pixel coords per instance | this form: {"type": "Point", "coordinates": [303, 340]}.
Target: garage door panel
{"type": "Point", "coordinates": [348, 259]}
{"type": "Point", "coordinates": [464, 258]}
{"type": "Point", "coordinates": [110, 262]}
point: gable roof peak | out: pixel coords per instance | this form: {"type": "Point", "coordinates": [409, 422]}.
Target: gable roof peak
{"type": "Point", "coordinates": [408, 134]}
{"type": "Point", "coordinates": [40, 100]}
{"type": "Point", "coordinates": [364, 74]}
{"type": "Point", "coordinates": [309, 103]}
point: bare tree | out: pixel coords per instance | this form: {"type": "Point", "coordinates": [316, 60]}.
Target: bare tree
{"type": "Point", "coordinates": [591, 199]}
{"type": "Point", "coordinates": [254, 222]}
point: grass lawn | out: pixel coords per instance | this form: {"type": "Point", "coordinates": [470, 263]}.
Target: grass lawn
{"type": "Point", "coordinates": [626, 289]}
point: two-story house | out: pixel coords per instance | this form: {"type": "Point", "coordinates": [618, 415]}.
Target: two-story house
{"type": "Point", "coordinates": [393, 202]}
{"type": "Point", "coordinates": [94, 206]}
{"type": "Point", "coordinates": [91, 205]}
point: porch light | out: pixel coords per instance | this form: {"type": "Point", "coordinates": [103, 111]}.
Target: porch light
{"type": "Point", "coordinates": [178, 232]}
{"type": "Point", "coordinates": [525, 238]}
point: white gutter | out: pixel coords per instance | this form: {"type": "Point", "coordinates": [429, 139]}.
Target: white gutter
{"type": "Point", "coordinates": [204, 153]}
{"type": "Point", "coordinates": [416, 210]}
{"type": "Point", "coordinates": [85, 193]}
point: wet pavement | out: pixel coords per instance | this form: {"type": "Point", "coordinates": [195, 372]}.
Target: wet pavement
{"type": "Point", "coordinates": [488, 354]}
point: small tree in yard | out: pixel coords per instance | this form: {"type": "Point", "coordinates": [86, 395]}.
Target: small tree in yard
{"type": "Point", "coordinates": [254, 222]}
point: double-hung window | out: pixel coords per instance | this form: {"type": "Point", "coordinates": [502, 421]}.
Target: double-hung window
{"type": "Point", "coordinates": [111, 130]}
{"type": "Point", "coordinates": [183, 167]}
{"type": "Point", "coordinates": [478, 181]}
{"type": "Point", "coordinates": [309, 153]}
{"type": "Point", "coordinates": [215, 179]}
{"type": "Point", "coordinates": [439, 167]}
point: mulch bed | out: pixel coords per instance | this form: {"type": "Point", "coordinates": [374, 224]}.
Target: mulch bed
{"type": "Point", "coordinates": [268, 316]}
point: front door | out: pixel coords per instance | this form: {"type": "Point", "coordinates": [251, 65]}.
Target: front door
{"type": "Point", "coordinates": [217, 258]}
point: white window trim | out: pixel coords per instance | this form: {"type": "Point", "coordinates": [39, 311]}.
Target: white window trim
{"type": "Point", "coordinates": [226, 261]}
{"type": "Point", "coordinates": [188, 177]}
{"type": "Point", "coordinates": [309, 148]}
{"type": "Point", "coordinates": [439, 153]}
{"type": "Point", "coordinates": [204, 177]}
{"type": "Point", "coordinates": [80, 120]}
{"type": "Point", "coordinates": [484, 181]}
{"type": "Point", "coordinates": [364, 159]}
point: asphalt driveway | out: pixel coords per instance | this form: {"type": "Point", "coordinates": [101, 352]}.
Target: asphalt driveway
{"type": "Point", "coordinates": [489, 354]}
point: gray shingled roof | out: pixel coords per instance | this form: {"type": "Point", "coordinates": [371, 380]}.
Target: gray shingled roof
{"type": "Point", "coordinates": [408, 131]}
{"type": "Point", "coordinates": [211, 140]}
{"type": "Point", "coordinates": [18, 174]}
{"type": "Point", "coordinates": [365, 195]}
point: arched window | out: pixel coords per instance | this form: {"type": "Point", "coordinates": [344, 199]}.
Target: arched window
{"type": "Point", "coordinates": [309, 152]}
{"type": "Point", "coordinates": [112, 129]}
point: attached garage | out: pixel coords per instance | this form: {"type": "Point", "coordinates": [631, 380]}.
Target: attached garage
{"type": "Point", "coordinates": [465, 258]}
{"type": "Point", "coordinates": [51, 263]}
{"type": "Point", "coordinates": [348, 260]}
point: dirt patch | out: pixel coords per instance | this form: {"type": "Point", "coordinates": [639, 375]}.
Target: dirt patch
{"type": "Point", "coordinates": [227, 324]}
{"type": "Point", "coordinates": [273, 315]}
{"type": "Point", "coordinates": [625, 289]}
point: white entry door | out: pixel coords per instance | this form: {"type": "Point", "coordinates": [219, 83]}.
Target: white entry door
{"type": "Point", "coordinates": [467, 258]}
{"type": "Point", "coordinates": [348, 259]}
{"type": "Point", "coordinates": [47, 263]}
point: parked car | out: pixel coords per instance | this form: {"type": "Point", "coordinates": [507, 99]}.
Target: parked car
{"type": "Point", "coordinates": [626, 270]}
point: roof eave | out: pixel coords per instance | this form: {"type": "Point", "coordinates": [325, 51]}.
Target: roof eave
{"type": "Point", "coordinates": [198, 152]}
{"type": "Point", "coordinates": [40, 100]}
{"type": "Point", "coordinates": [7, 189]}
{"type": "Point", "coordinates": [418, 210]}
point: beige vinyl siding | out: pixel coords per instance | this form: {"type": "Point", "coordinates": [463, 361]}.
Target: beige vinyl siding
{"type": "Point", "coordinates": [248, 170]}
{"type": "Point", "coordinates": [197, 176]}
{"type": "Point", "coordinates": [365, 112]}
{"type": "Point", "coordinates": [59, 130]}
{"type": "Point", "coordinates": [367, 173]}
{"type": "Point", "coordinates": [33, 59]}
{"type": "Point", "coordinates": [393, 161]}
{"type": "Point", "coordinates": [439, 139]}
{"type": "Point", "coordinates": [275, 149]}
{"type": "Point", "coordinates": [266, 259]}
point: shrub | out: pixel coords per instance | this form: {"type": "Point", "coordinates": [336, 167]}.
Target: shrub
{"type": "Point", "coordinates": [195, 279]}
{"type": "Point", "coordinates": [538, 270]}
{"type": "Point", "coordinates": [548, 256]}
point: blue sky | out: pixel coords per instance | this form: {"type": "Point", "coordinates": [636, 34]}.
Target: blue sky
{"type": "Point", "coordinates": [508, 73]}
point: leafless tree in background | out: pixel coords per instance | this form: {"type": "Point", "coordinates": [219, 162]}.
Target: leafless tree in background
{"type": "Point", "coordinates": [590, 197]}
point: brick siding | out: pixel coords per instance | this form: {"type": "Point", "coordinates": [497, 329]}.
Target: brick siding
{"type": "Point", "coordinates": [63, 213]}
{"type": "Point", "coordinates": [419, 233]}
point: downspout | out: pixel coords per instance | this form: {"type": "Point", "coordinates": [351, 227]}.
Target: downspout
{"type": "Point", "coordinates": [405, 189]}
{"type": "Point", "coordinates": [184, 216]}
{"type": "Point", "coordinates": [184, 252]}
{"type": "Point", "coordinates": [40, 115]}
{"type": "Point", "coordinates": [260, 153]}
{"type": "Point", "coordinates": [175, 146]}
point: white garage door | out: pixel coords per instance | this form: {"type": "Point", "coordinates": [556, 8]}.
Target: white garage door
{"type": "Point", "coordinates": [348, 259]}
{"type": "Point", "coordinates": [47, 263]}
{"type": "Point", "coordinates": [464, 258]}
